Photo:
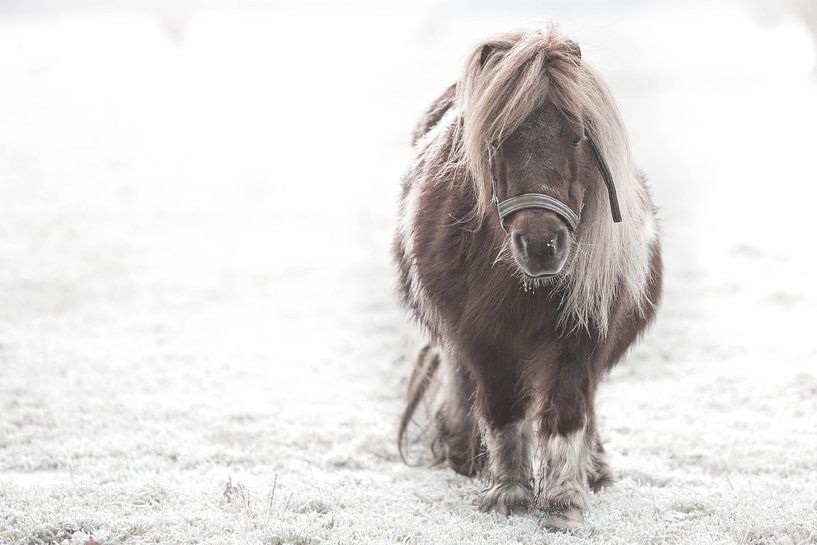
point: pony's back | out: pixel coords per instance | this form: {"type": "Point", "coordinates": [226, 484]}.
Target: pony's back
{"type": "Point", "coordinates": [434, 113]}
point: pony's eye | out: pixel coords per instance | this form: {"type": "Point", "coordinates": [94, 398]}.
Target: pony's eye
{"type": "Point", "coordinates": [576, 141]}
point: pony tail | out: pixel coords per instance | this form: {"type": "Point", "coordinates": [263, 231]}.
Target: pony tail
{"type": "Point", "coordinates": [428, 361]}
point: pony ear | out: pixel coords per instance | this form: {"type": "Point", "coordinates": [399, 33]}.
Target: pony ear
{"type": "Point", "coordinates": [485, 54]}
{"type": "Point", "coordinates": [573, 50]}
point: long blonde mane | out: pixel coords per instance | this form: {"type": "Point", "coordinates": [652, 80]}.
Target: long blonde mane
{"type": "Point", "coordinates": [506, 78]}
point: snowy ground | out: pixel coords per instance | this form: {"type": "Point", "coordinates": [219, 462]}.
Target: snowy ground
{"type": "Point", "coordinates": [198, 337]}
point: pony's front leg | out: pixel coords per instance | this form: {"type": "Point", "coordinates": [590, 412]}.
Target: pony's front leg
{"type": "Point", "coordinates": [507, 437]}
{"type": "Point", "coordinates": [565, 442]}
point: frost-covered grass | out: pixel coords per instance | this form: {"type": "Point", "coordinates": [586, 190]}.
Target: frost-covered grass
{"type": "Point", "coordinates": [186, 356]}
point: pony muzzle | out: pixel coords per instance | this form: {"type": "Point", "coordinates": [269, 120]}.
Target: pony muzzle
{"type": "Point", "coordinates": [540, 243]}
{"type": "Point", "coordinates": [539, 227]}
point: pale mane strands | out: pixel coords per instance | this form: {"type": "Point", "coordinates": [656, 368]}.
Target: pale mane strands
{"type": "Point", "coordinates": [506, 78]}
{"type": "Point", "coordinates": [612, 258]}
{"type": "Point", "coordinates": [503, 83]}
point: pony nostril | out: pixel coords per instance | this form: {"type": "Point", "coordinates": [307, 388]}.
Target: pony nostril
{"type": "Point", "coordinates": [556, 242]}
{"type": "Point", "coordinates": [551, 246]}
{"type": "Point", "coordinates": [520, 242]}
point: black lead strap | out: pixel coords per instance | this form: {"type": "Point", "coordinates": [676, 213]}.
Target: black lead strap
{"type": "Point", "coordinates": [608, 180]}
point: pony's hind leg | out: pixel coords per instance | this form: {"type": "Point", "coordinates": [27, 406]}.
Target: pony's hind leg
{"type": "Point", "coordinates": [458, 439]}
{"type": "Point", "coordinates": [599, 474]}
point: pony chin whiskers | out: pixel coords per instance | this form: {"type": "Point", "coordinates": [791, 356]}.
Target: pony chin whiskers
{"type": "Point", "coordinates": [531, 284]}
{"type": "Point", "coordinates": [504, 255]}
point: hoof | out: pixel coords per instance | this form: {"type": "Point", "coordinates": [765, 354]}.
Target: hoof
{"type": "Point", "coordinates": [562, 518]}
{"type": "Point", "coordinates": [600, 478]}
{"type": "Point", "coordinates": [506, 498]}
{"type": "Point", "coordinates": [601, 482]}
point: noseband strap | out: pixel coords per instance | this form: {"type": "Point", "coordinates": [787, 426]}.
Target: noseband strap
{"type": "Point", "coordinates": [537, 200]}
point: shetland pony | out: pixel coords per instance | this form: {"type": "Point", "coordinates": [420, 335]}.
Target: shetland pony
{"type": "Point", "coordinates": [511, 258]}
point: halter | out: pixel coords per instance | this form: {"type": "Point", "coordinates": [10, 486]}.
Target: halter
{"type": "Point", "coordinates": [546, 202]}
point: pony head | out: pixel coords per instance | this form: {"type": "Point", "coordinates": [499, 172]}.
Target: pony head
{"type": "Point", "coordinates": [540, 175]}
{"type": "Point", "coordinates": [534, 117]}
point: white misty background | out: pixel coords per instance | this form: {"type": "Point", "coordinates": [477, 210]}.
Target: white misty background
{"type": "Point", "coordinates": [199, 339]}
